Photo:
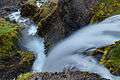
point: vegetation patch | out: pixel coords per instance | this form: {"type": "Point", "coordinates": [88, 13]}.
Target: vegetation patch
{"type": "Point", "coordinates": [110, 57]}
{"type": "Point", "coordinates": [104, 9]}
{"type": "Point", "coordinates": [25, 76]}
{"type": "Point", "coordinates": [13, 61]}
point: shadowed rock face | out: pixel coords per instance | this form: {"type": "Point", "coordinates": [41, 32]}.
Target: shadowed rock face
{"type": "Point", "coordinates": [76, 13]}
{"type": "Point", "coordinates": [69, 16]}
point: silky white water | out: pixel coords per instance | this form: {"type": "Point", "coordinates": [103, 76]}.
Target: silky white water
{"type": "Point", "coordinates": [30, 39]}
{"type": "Point", "coordinates": [70, 51]}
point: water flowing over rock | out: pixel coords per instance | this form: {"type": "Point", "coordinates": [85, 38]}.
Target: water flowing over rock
{"type": "Point", "coordinates": [70, 51]}
{"type": "Point", "coordinates": [58, 19]}
{"type": "Point", "coordinates": [71, 58]}
{"type": "Point", "coordinates": [30, 40]}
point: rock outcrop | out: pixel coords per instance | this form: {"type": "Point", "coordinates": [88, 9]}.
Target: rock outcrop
{"type": "Point", "coordinates": [57, 20]}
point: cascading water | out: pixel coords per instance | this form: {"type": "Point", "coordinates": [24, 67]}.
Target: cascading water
{"type": "Point", "coordinates": [70, 51]}
{"type": "Point", "coordinates": [30, 39]}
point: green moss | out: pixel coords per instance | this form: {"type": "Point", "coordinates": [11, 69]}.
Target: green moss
{"type": "Point", "coordinates": [8, 37]}
{"type": "Point", "coordinates": [110, 57]}
{"type": "Point", "coordinates": [24, 76]}
{"type": "Point", "coordinates": [113, 61]}
{"type": "Point", "coordinates": [104, 9]}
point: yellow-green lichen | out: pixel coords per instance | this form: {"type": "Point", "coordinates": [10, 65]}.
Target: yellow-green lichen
{"type": "Point", "coordinates": [24, 76]}
{"type": "Point", "coordinates": [104, 9]}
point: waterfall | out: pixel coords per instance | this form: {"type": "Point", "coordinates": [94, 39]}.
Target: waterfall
{"type": "Point", "coordinates": [69, 52]}
{"type": "Point", "coordinates": [30, 39]}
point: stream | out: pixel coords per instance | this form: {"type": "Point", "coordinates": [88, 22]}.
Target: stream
{"type": "Point", "coordinates": [30, 40]}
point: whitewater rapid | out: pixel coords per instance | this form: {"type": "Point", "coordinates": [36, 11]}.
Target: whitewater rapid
{"type": "Point", "coordinates": [30, 40]}
{"type": "Point", "coordinates": [70, 51]}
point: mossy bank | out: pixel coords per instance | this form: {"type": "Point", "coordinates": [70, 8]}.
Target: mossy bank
{"type": "Point", "coordinates": [13, 61]}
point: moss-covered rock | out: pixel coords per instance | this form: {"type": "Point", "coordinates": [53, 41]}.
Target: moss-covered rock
{"type": "Point", "coordinates": [104, 9]}
{"type": "Point", "coordinates": [13, 61]}
{"type": "Point", "coordinates": [8, 37]}
{"type": "Point", "coordinates": [38, 14]}
{"type": "Point", "coordinates": [48, 21]}
{"type": "Point", "coordinates": [110, 57]}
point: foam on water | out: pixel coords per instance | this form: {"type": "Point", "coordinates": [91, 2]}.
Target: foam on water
{"type": "Point", "coordinates": [30, 39]}
{"type": "Point", "coordinates": [68, 52]}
